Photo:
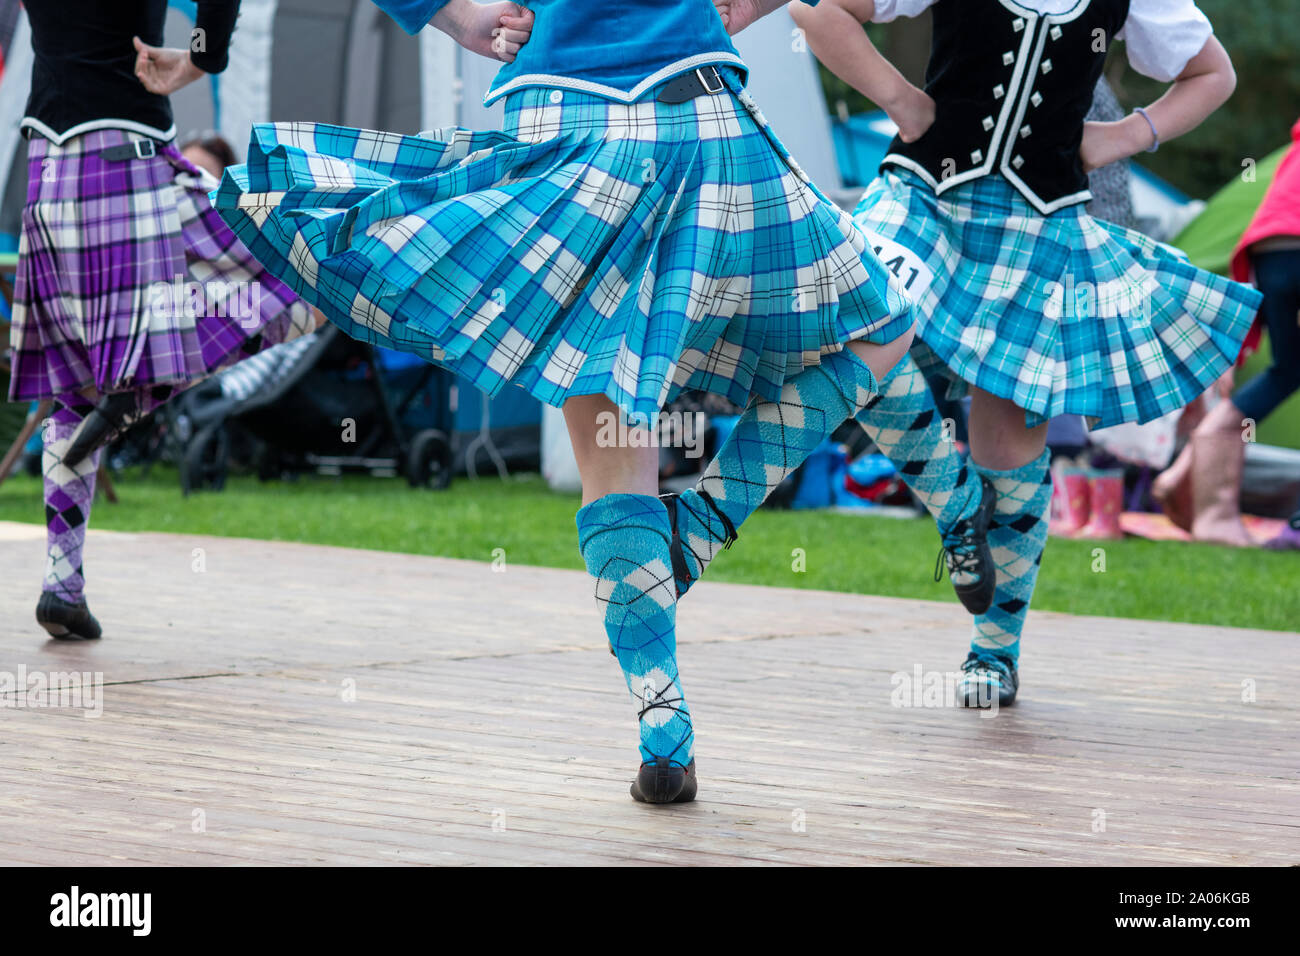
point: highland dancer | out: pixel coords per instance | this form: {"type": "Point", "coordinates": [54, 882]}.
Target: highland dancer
{"type": "Point", "coordinates": [116, 221]}
{"type": "Point", "coordinates": [1024, 301]}
{"type": "Point", "coordinates": [637, 230]}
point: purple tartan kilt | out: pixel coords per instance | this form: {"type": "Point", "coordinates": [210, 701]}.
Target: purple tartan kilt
{"type": "Point", "coordinates": [128, 279]}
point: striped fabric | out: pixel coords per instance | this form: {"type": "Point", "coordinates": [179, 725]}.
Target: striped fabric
{"type": "Point", "coordinates": [631, 250]}
{"type": "Point", "coordinates": [265, 370]}
{"type": "Point", "coordinates": [1062, 314]}
{"type": "Point", "coordinates": [127, 278]}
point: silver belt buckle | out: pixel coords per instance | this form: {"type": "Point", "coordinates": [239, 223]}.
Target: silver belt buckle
{"type": "Point", "coordinates": [699, 74]}
{"type": "Point", "coordinates": [145, 149]}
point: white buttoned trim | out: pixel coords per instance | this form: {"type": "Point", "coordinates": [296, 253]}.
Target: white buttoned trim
{"type": "Point", "coordinates": [1024, 60]}
{"type": "Point", "coordinates": [1023, 94]}
{"type": "Point", "coordinates": [1012, 115]}
{"type": "Point", "coordinates": [555, 80]}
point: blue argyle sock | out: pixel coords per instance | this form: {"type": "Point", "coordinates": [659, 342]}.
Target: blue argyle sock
{"type": "Point", "coordinates": [624, 542]}
{"type": "Point", "coordinates": [1017, 538]}
{"type": "Point", "coordinates": [769, 442]}
{"type": "Point", "coordinates": [908, 429]}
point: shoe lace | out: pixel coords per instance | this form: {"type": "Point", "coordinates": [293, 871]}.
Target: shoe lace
{"type": "Point", "coordinates": [976, 665]}
{"type": "Point", "coordinates": [729, 534]}
{"type": "Point", "coordinates": [660, 702]}
{"type": "Point", "coordinates": [959, 548]}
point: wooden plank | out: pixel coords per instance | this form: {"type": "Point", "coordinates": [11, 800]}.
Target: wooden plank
{"type": "Point", "coordinates": [324, 705]}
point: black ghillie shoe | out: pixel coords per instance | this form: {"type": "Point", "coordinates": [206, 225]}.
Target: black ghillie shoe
{"type": "Point", "coordinates": [65, 620]}
{"type": "Point", "coordinates": [683, 575]}
{"type": "Point", "coordinates": [114, 414]}
{"type": "Point", "coordinates": [968, 556]}
{"type": "Point", "coordinates": [665, 781]}
{"type": "Point", "coordinates": [987, 678]}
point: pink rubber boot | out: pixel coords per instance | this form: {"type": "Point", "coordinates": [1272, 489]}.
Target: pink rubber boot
{"type": "Point", "coordinates": [1070, 501]}
{"type": "Point", "coordinates": [1106, 490]}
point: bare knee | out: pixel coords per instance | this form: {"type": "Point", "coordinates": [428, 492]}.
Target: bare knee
{"type": "Point", "coordinates": [611, 460]}
{"type": "Point", "coordinates": [999, 438]}
{"type": "Point", "coordinates": [882, 359]}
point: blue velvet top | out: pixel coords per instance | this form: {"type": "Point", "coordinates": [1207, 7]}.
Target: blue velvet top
{"type": "Point", "coordinates": [618, 50]}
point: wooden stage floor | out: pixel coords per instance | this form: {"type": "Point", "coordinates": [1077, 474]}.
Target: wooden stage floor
{"type": "Point", "coordinates": [292, 704]}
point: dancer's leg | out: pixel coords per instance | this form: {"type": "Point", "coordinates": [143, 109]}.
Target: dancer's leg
{"type": "Point", "coordinates": [906, 426]}
{"type": "Point", "coordinates": [69, 495]}
{"type": "Point", "coordinates": [118, 411]}
{"type": "Point", "coordinates": [624, 536]}
{"type": "Point", "coordinates": [1014, 458]}
{"type": "Point", "coordinates": [903, 421]}
{"type": "Point", "coordinates": [769, 442]}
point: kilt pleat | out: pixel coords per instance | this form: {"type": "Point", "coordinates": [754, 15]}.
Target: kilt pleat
{"type": "Point", "coordinates": [631, 250]}
{"type": "Point", "coordinates": [128, 279]}
{"type": "Point", "coordinates": [1062, 314]}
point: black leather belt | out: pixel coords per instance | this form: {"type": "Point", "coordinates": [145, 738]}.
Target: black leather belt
{"type": "Point", "coordinates": [137, 149]}
{"type": "Point", "coordinates": [703, 82]}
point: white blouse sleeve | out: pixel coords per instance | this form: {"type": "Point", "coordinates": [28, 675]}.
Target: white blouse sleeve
{"type": "Point", "coordinates": [1161, 36]}
{"type": "Point", "coordinates": [887, 10]}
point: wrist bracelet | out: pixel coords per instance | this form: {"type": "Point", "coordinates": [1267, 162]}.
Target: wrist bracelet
{"type": "Point", "coordinates": [1155, 136]}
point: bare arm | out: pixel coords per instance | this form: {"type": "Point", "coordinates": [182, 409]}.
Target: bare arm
{"type": "Point", "coordinates": [1204, 85]}
{"type": "Point", "coordinates": [835, 34]}
{"type": "Point", "coordinates": [738, 14]}
{"type": "Point", "coordinates": [165, 70]}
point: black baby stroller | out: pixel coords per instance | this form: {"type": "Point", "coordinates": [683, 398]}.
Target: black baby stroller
{"type": "Point", "coordinates": [323, 403]}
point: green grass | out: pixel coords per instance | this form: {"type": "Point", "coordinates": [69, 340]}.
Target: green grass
{"type": "Point", "coordinates": [1142, 579]}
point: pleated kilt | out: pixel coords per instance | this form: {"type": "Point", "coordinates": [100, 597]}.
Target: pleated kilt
{"type": "Point", "coordinates": [590, 248]}
{"type": "Point", "coordinates": [128, 279]}
{"type": "Point", "coordinates": [1061, 314]}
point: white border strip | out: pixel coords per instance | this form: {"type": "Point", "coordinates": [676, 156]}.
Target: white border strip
{"type": "Point", "coordinates": [552, 80]}
{"type": "Point", "coordinates": [129, 126]}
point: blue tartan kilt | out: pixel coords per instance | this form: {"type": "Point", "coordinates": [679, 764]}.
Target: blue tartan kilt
{"type": "Point", "coordinates": [592, 247]}
{"type": "Point", "coordinates": [1061, 314]}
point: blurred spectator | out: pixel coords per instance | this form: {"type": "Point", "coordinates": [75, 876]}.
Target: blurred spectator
{"type": "Point", "coordinates": [209, 151]}
{"type": "Point", "coordinates": [1201, 490]}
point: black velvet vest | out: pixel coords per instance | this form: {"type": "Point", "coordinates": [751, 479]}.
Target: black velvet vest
{"type": "Point", "coordinates": [1011, 89]}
